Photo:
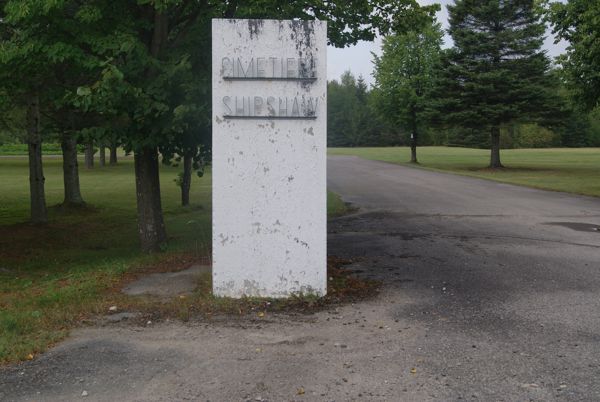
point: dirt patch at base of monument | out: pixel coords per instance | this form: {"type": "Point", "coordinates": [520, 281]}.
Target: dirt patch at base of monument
{"type": "Point", "coordinates": [197, 302]}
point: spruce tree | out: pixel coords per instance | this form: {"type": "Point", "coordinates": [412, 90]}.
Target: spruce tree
{"type": "Point", "coordinates": [496, 72]}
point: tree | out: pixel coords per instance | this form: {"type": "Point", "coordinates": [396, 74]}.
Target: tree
{"type": "Point", "coordinates": [72, 190]}
{"type": "Point", "coordinates": [345, 112]}
{"type": "Point", "coordinates": [142, 70]}
{"type": "Point", "coordinates": [496, 72]}
{"type": "Point", "coordinates": [144, 60]}
{"type": "Point", "coordinates": [24, 70]}
{"type": "Point", "coordinates": [192, 140]}
{"type": "Point", "coordinates": [350, 119]}
{"type": "Point", "coordinates": [192, 118]}
{"type": "Point", "coordinates": [44, 60]}
{"type": "Point", "coordinates": [113, 151]}
{"type": "Point", "coordinates": [578, 22]}
{"type": "Point", "coordinates": [404, 78]}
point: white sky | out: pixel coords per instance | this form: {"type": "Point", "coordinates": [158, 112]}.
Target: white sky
{"type": "Point", "coordinates": [359, 60]}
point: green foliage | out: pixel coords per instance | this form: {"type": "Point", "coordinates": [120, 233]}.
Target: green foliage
{"type": "Point", "coordinates": [576, 130]}
{"type": "Point", "coordinates": [578, 22]}
{"type": "Point", "coordinates": [7, 137]}
{"type": "Point", "coordinates": [45, 53]}
{"type": "Point", "coordinates": [12, 121]}
{"type": "Point", "coordinates": [496, 73]}
{"type": "Point", "coordinates": [470, 137]}
{"type": "Point", "coordinates": [533, 136]}
{"type": "Point", "coordinates": [160, 88]}
{"type": "Point", "coordinates": [512, 136]}
{"type": "Point", "coordinates": [347, 21]}
{"type": "Point", "coordinates": [137, 72]}
{"type": "Point", "coordinates": [594, 133]}
{"type": "Point", "coordinates": [350, 118]}
{"type": "Point", "coordinates": [404, 77]}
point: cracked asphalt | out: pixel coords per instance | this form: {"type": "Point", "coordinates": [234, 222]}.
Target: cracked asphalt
{"type": "Point", "coordinates": [490, 292]}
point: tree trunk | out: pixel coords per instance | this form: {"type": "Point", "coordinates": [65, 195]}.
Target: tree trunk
{"type": "Point", "coordinates": [113, 153]}
{"type": "Point", "coordinates": [413, 136]}
{"type": "Point", "coordinates": [495, 150]}
{"type": "Point", "coordinates": [102, 156]}
{"type": "Point", "coordinates": [89, 154]}
{"type": "Point", "coordinates": [413, 147]}
{"type": "Point", "coordinates": [37, 197]}
{"type": "Point", "coordinates": [186, 181]}
{"type": "Point", "coordinates": [151, 227]}
{"type": "Point", "coordinates": [70, 171]}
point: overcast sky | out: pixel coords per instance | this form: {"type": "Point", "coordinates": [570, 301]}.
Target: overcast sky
{"type": "Point", "coordinates": [358, 59]}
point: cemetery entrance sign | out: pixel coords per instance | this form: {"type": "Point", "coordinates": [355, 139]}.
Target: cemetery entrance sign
{"type": "Point", "coordinates": [269, 157]}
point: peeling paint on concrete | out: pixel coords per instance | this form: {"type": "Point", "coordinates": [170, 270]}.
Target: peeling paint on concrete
{"type": "Point", "coordinates": [269, 175]}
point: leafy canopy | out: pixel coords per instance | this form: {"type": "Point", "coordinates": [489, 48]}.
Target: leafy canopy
{"type": "Point", "coordinates": [155, 85]}
{"type": "Point", "coordinates": [578, 22]}
{"type": "Point", "coordinates": [405, 75]}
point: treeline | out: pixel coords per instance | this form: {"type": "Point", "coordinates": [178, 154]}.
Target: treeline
{"type": "Point", "coordinates": [496, 88]}
{"type": "Point", "coordinates": [137, 74]}
{"type": "Point", "coordinates": [355, 119]}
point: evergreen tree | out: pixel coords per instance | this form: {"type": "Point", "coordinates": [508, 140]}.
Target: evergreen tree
{"type": "Point", "coordinates": [496, 73]}
{"type": "Point", "coordinates": [344, 112]}
{"type": "Point", "coordinates": [350, 120]}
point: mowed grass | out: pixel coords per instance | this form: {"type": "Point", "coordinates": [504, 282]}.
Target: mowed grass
{"type": "Point", "coordinates": [573, 170]}
{"type": "Point", "coordinates": [54, 276]}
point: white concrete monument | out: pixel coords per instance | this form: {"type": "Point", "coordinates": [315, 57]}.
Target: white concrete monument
{"type": "Point", "coordinates": [269, 157]}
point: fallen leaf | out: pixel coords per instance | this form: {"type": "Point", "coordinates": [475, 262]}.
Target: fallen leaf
{"type": "Point", "coordinates": [261, 314]}
{"type": "Point", "coordinates": [300, 391]}
{"type": "Point", "coordinates": [30, 356]}
{"type": "Point", "coordinates": [413, 370]}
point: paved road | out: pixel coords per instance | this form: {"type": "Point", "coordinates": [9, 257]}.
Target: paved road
{"type": "Point", "coordinates": [492, 293]}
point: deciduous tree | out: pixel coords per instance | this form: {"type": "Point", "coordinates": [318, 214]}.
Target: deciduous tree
{"type": "Point", "coordinates": [45, 57]}
{"type": "Point", "coordinates": [578, 22]}
{"type": "Point", "coordinates": [144, 60]}
{"type": "Point", "coordinates": [404, 78]}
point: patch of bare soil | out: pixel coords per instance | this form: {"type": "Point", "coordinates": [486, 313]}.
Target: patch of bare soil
{"type": "Point", "coordinates": [343, 287]}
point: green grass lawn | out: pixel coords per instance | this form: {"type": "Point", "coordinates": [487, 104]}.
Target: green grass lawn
{"type": "Point", "coordinates": [574, 170]}
{"type": "Point", "coordinates": [53, 276]}
{"type": "Point", "coordinates": [22, 150]}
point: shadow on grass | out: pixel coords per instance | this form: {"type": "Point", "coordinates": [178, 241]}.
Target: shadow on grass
{"type": "Point", "coordinates": [56, 276]}
{"type": "Point", "coordinates": [29, 245]}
